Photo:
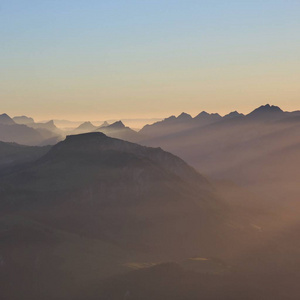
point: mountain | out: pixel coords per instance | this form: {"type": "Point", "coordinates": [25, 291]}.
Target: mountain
{"type": "Point", "coordinates": [104, 124]}
{"type": "Point", "coordinates": [175, 125]}
{"type": "Point", "coordinates": [50, 126]}
{"type": "Point", "coordinates": [50, 133]}
{"type": "Point", "coordinates": [266, 112]}
{"type": "Point", "coordinates": [205, 118]}
{"type": "Point", "coordinates": [23, 120]}
{"type": "Point", "coordinates": [233, 114]}
{"type": "Point", "coordinates": [167, 126]}
{"type": "Point", "coordinates": [132, 195]}
{"type": "Point", "coordinates": [119, 130]}
{"type": "Point", "coordinates": [12, 154]}
{"type": "Point", "coordinates": [241, 148]}
{"type": "Point", "coordinates": [84, 128]}
{"type": "Point", "coordinates": [6, 120]}
{"type": "Point", "coordinates": [31, 134]}
{"type": "Point", "coordinates": [93, 204]}
{"type": "Point", "coordinates": [20, 134]}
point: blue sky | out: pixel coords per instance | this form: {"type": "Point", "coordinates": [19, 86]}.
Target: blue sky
{"type": "Point", "coordinates": [117, 59]}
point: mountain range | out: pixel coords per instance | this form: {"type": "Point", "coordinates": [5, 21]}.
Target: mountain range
{"type": "Point", "coordinates": [78, 217]}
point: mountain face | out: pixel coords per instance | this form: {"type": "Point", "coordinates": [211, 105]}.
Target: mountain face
{"type": "Point", "coordinates": [6, 120]}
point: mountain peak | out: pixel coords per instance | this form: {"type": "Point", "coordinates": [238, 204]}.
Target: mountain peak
{"type": "Point", "coordinates": [105, 124]}
{"type": "Point", "coordinates": [6, 120]}
{"type": "Point", "coordinates": [86, 125]}
{"type": "Point", "coordinates": [233, 114]}
{"type": "Point", "coordinates": [266, 110]}
{"type": "Point", "coordinates": [116, 125]}
{"type": "Point", "coordinates": [203, 113]}
{"type": "Point", "coordinates": [184, 116]}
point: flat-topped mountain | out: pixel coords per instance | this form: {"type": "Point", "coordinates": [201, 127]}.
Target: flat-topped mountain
{"type": "Point", "coordinates": [134, 195]}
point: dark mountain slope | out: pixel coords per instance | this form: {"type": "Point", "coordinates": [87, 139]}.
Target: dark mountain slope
{"type": "Point", "coordinates": [108, 187]}
{"type": "Point", "coordinates": [93, 205]}
{"type": "Point", "coordinates": [12, 154]}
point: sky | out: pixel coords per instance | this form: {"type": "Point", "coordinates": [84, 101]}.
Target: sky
{"type": "Point", "coordinates": [113, 59]}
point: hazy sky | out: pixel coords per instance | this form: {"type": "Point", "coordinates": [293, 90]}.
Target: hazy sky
{"type": "Point", "coordinates": [84, 59]}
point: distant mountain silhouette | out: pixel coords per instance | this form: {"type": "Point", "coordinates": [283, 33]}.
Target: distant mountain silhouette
{"type": "Point", "coordinates": [84, 128]}
{"type": "Point", "coordinates": [47, 125]}
{"type": "Point", "coordinates": [174, 125]}
{"type": "Point", "coordinates": [30, 134]}
{"type": "Point", "coordinates": [119, 130]}
{"type": "Point", "coordinates": [238, 147]}
{"type": "Point", "coordinates": [6, 120]}
{"type": "Point", "coordinates": [266, 112]}
{"type": "Point", "coordinates": [23, 120]}
{"type": "Point", "coordinates": [104, 124]}
{"type": "Point", "coordinates": [233, 114]}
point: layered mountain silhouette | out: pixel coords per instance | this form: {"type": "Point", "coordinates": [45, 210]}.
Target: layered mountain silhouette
{"type": "Point", "coordinates": [134, 200]}
{"type": "Point", "coordinates": [173, 125]}
{"type": "Point", "coordinates": [23, 120]}
{"type": "Point", "coordinates": [237, 147]}
{"type": "Point", "coordinates": [76, 218]}
{"type": "Point", "coordinates": [29, 134]}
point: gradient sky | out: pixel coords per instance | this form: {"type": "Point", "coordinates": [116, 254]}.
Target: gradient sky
{"type": "Point", "coordinates": [84, 59]}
